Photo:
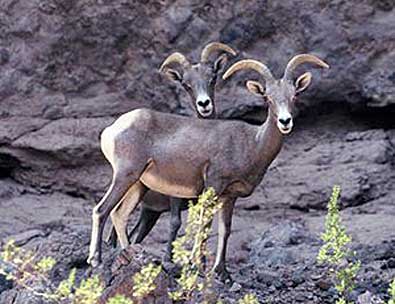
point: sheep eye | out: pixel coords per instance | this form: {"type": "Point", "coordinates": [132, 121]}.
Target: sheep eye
{"type": "Point", "coordinates": [187, 86]}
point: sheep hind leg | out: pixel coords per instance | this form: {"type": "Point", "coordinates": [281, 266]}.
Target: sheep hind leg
{"type": "Point", "coordinates": [112, 236]}
{"type": "Point", "coordinates": [111, 239]}
{"type": "Point", "coordinates": [121, 213]}
{"type": "Point", "coordinates": [147, 221]}
{"type": "Point", "coordinates": [119, 186]}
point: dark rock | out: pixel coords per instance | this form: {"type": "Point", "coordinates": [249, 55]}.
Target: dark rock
{"type": "Point", "coordinates": [369, 298]}
{"type": "Point", "coordinates": [298, 277]}
{"type": "Point", "coordinates": [4, 56]}
{"type": "Point", "coordinates": [390, 263]}
{"type": "Point", "coordinates": [26, 236]}
{"type": "Point", "coordinates": [236, 287]}
{"type": "Point", "coordinates": [361, 164]}
{"type": "Point", "coordinates": [281, 245]}
{"type": "Point", "coordinates": [324, 284]}
{"type": "Point", "coordinates": [279, 284]}
{"type": "Point", "coordinates": [4, 283]}
{"type": "Point", "coordinates": [251, 207]}
{"type": "Point", "coordinates": [267, 277]}
{"type": "Point", "coordinates": [300, 298]}
{"type": "Point", "coordinates": [128, 263]}
{"type": "Point", "coordinates": [68, 248]}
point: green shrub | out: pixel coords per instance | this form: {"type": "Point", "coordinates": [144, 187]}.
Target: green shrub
{"type": "Point", "coordinates": [249, 299]}
{"type": "Point", "coordinates": [191, 249]}
{"type": "Point", "coordinates": [22, 267]}
{"type": "Point", "coordinates": [391, 291]}
{"type": "Point", "coordinates": [336, 251]}
{"type": "Point", "coordinates": [89, 291]}
{"type": "Point", "coordinates": [66, 287]}
{"type": "Point", "coordinates": [119, 299]}
{"type": "Point", "coordinates": [144, 281]}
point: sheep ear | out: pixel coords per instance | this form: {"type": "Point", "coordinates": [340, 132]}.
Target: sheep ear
{"type": "Point", "coordinates": [220, 62]}
{"type": "Point", "coordinates": [303, 82]}
{"type": "Point", "coordinates": [255, 87]}
{"type": "Point", "coordinates": [173, 74]}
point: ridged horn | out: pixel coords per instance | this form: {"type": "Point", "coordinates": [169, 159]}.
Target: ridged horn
{"type": "Point", "coordinates": [250, 64]}
{"type": "Point", "coordinates": [215, 46]}
{"type": "Point", "coordinates": [302, 58]}
{"type": "Point", "coordinates": [175, 58]}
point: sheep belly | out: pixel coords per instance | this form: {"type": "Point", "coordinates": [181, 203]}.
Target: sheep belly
{"type": "Point", "coordinates": [170, 182]}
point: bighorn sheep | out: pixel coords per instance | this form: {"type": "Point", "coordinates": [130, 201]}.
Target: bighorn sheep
{"type": "Point", "coordinates": [180, 156]}
{"type": "Point", "coordinates": [199, 80]}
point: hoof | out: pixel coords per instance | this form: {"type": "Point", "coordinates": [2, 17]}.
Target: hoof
{"type": "Point", "coordinates": [224, 276]}
{"type": "Point", "coordinates": [126, 255]}
{"type": "Point", "coordinates": [94, 260]}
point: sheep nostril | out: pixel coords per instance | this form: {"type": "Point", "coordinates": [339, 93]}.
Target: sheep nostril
{"type": "Point", "coordinates": [285, 122]}
{"type": "Point", "coordinates": [203, 103]}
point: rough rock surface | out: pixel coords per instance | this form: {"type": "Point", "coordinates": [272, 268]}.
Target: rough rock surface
{"type": "Point", "coordinates": [128, 263]}
{"type": "Point", "coordinates": [282, 264]}
{"type": "Point", "coordinates": [69, 68]}
{"type": "Point", "coordinates": [68, 247]}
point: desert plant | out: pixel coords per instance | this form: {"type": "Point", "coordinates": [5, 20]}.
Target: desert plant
{"type": "Point", "coordinates": [144, 281]}
{"type": "Point", "coordinates": [249, 299]}
{"type": "Point", "coordinates": [22, 267]}
{"type": "Point", "coordinates": [391, 291]}
{"type": "Point", "coordinates": [190, 250]}
{"type": "Point", "coordinates": [89, 291]}
{"type": "Point", "coordinates": [336, 251]}
{"type": "Point", "coordinates": [119, 299]}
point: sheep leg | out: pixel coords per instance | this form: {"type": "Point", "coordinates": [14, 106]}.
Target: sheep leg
{"type": "Point", "coordinates": [111, 238]}
{"type": "Point", "coordinates": [175, 224]}
{"type": "Point", "coordinates": [147, 221]}
{"type": "Point", "coordinates": [224, 229]}
{"type": "Point", "coordinates": [120, 214]}
{"type": "Point", "coordinates": [119, 186]}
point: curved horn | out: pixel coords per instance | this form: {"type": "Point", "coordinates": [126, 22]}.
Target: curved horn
{"type": "Point", "coordinates": [175, 58]}
{"type": "Point", "coordinates": [250, 64]}
{"type": "Point", "coordinates": [214, 46]}
{"type": "Point", "coordinates": [303, 58]}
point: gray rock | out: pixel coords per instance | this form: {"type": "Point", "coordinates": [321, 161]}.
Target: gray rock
{"type": "Point", "coordinates": [361, 163]}
{"type": "Point", "coordinates": [26, 236]}
{"type": "Point", "coordinates": [369, 298]}
{"type": "Point", "coordinates": [4, 284]}
{"type": "Point", "coordinates": [282, 245]}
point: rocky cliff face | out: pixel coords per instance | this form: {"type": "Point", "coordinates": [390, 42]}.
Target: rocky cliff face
{"type": "Point", "coordinates": [69, 68]}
